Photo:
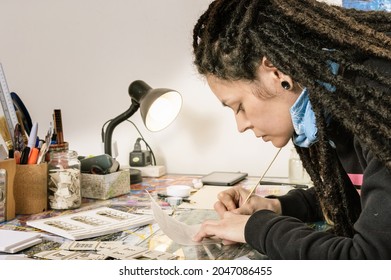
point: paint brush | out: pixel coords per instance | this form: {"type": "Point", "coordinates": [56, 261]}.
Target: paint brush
{"type": "Point", "coordinates": [264, 173]}
{"type": "Point", "coordinates": [5, 133]}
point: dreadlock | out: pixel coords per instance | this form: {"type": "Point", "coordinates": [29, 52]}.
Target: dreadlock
{"type": "Point", "coordinates": [301, 37]}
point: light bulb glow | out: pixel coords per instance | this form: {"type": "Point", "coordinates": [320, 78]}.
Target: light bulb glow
{"type": "Point", "coordinates": [163, 111]}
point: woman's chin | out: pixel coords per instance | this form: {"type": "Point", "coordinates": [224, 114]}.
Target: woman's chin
{"type": "Point", "coordinates": [278, 142]}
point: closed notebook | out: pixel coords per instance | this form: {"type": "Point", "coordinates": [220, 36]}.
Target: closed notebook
{"type": "Point", "coordinates": [12, 241]}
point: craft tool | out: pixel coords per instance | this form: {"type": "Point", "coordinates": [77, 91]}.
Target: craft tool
{"type": "Point", "coordinates": [7, 104]}
{"type": "Point", "coordinates": [5, 133]}
{"type": "Point", "coordinates": [33, 158]}
{"type": "Point", "coordinates": [58, 126]}
{"type": "Point", "coordinates": [3, 152]}
{"type": "Point", "coordinates": [264, 173]}
{"type": "Point", "coordinates": [22, 113]}
{"type": "Point", "coordinates": [19, 141]}
{"type": "Point", "coordinates": [23, 130]}
{"type": "Point", "coordinates": [17, 156]}
{"type": "Point", "coordinates": [25, 155]}
{"type": "Point", "coordinates": [33, 136]}
{"type": "Point", "coordinates": [42, 153]}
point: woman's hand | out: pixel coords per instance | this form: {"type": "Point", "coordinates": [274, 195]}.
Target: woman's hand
{"type": "Point", "coordinates": [234, 214]}
{"type": "Point", "coordinates": [233, 200]}
{"type": "Point", "coordinates": [230, 228]}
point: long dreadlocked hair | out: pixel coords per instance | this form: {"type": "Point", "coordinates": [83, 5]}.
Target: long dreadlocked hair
{"type": "Point", "coordinates": [232, 36]}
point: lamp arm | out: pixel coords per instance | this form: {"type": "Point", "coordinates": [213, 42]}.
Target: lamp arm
{"type": "Point", "coordinates": [116, 121]}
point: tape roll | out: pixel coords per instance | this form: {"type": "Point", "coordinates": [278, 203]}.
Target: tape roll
{"type": "Point", "coordinates": [178, 190]}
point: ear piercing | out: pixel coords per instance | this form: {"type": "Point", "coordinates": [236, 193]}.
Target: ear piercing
{"type": "Point", "coordinates": [285, 85]}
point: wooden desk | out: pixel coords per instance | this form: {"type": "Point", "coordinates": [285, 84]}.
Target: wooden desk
{"type": "Point", "coordinates": [149, 236]}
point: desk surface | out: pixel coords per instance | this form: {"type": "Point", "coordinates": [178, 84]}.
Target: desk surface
{"type": "Point", "coordinates": [149, 236]}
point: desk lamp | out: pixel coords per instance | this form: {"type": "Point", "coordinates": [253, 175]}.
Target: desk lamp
{"type": "Point", "coordinates": [158, 107]}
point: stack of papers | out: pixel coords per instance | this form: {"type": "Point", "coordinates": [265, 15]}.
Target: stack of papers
{"type": "Point", "coordinates": [12, 241]}
{"type": "Point", "coordinates": [91, 223]}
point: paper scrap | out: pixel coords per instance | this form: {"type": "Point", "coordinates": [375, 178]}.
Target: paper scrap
{"type": "Point", "coordinates": [179, 232]}
{"type": "Point", "coordinates": [204, 198]}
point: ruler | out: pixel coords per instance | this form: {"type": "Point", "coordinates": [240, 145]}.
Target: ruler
{"type": "Point", "coordinates": [8, 104]}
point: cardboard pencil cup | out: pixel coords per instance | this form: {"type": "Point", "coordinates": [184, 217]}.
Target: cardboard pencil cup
{"type": "Point", "coordinates": [30, 188]}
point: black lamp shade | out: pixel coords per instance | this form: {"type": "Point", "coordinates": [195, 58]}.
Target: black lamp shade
{"type": "Point", "coordinates": [158, 107]}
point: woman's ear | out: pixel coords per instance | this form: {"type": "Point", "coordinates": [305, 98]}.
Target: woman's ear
{"type": "Point", "coordinates": [267, 64]}
{"type": "Point", "coordinates": [279, 77]}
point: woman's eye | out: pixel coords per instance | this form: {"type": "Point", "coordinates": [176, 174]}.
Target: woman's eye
{"type": "Point", "coordinates": [240, 108]}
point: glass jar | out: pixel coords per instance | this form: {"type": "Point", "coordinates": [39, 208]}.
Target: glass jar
{"type": "Point", "coordinates": [64, 180]}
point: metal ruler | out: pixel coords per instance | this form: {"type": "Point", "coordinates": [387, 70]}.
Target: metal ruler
{"type": "Point", "coordinates": [7, 103]}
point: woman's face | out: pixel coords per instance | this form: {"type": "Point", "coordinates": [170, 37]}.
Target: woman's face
{"type": "Point", "coordinates": [261, 106]}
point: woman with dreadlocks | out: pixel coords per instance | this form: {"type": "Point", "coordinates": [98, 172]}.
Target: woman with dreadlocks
{"type": "Point", "coordinates": [318, 75]}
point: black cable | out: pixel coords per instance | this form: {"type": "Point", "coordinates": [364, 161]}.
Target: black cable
{"type": "Point", "coordinates": [149, 148]}
{"type": "Point", "coordinates": [142, 137]}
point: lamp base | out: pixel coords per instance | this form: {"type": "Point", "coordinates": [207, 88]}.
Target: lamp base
{"type": "Point", "coordinates": [135, 176]}
{"type": "Point", "coordinates": [152, 170]}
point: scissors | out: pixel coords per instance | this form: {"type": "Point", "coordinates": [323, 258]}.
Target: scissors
{"type": "Point", "coordinates": [23, 112]}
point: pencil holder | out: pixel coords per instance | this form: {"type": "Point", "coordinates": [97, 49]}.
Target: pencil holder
{"type": "Point", "coordinates": [30, 188]}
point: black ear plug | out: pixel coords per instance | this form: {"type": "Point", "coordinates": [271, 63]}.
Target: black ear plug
{"type": "Point", "coordinates": [286, 85]}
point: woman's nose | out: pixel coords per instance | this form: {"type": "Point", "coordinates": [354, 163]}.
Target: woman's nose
{"type": "Point", "coordinates": [243, 124]}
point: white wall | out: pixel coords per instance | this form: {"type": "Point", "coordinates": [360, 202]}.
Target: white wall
{"type": "Point", "coordinates": [81, 55]}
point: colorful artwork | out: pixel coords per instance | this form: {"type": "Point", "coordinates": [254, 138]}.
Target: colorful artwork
{"type": "Point", "coordinates": [384, 5]}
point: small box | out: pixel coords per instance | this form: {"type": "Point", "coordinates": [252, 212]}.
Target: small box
{"type": "Point", "coordinates": [105, 186]}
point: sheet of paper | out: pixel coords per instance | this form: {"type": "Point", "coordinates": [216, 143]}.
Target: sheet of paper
{"type": "Point", "coordinates": [12, 241]}
{"type": "Point", "coordinates": [179, 232]}
{"type": "Point", "coordinates": [91, 223]}
{"type": "Point", "coordinates": [204, 198]}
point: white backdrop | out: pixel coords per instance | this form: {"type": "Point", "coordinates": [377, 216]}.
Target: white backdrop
{"type": "Point", "coordinates": [81, 55]}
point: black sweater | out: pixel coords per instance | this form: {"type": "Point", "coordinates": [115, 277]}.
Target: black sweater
{"type": "Point", "coordinates": [287, 236]}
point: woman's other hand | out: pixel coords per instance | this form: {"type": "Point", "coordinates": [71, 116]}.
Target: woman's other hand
{"type": "Point", "coordinates": [230, 228]}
